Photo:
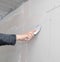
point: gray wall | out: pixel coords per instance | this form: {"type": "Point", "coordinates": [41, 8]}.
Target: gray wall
{"type": "Point", "coordinates": [6, 6]}
{"type": "Point", "coordinates": [45, 47]}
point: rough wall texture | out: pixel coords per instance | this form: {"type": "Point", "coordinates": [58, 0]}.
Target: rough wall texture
{"type": "Point", "coordinates": [43, 48]}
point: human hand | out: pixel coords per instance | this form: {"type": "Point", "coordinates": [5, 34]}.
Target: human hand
{"type": "Point", "coordinates": [25, 37]}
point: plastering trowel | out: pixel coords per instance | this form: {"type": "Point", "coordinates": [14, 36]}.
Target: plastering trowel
{"type": "Point", "coordinates": [38, 29]}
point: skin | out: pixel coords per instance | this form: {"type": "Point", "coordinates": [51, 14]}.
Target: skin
{"type": "Point", "coordinates": [26, 36]}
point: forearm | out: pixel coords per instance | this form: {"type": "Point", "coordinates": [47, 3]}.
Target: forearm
{"type": "Point", "coordinates": [10, 39]}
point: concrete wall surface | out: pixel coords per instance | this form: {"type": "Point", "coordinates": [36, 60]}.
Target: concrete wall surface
{"type": "Point", "coordinates": [45, 47]}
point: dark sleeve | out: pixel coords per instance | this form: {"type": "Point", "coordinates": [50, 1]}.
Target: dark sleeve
{"type": "Point", "coordinates": [7, 39]}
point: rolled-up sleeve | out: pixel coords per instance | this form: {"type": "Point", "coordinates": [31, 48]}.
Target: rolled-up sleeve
{"type": "Point", "coordinates": [7, 39]}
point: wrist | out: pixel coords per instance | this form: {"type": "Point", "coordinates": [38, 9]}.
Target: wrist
{"type": "Point", "coordinates": [18, 37]}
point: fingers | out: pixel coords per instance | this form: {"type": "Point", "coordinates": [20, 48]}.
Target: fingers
{"type": "Point", "coordinates": [29, 36]}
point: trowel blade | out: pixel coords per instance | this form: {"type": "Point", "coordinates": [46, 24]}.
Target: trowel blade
{"type": "Point", "coordinates": [38, 29]}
